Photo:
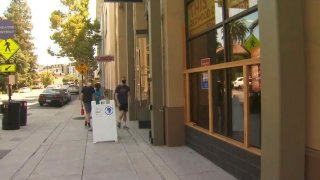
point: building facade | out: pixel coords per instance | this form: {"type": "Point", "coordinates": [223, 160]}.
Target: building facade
{"type": "Point", "coordinates": [233, 79]}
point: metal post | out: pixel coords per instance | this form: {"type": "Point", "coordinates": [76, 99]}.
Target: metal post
{"type": "Point", "coordinates": [9, 91]}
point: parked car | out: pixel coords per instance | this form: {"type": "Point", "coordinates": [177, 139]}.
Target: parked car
{"type": "Point", "coordinates": [53, 96]}
{"type": "Point", "coordinates": [68, 94]}
{"type": "Point", "coordinates": [25, 90]}
{"type": "Point", "coordinates": [51, 87]}
{"type": "Point", "coordinates": [73, 89]}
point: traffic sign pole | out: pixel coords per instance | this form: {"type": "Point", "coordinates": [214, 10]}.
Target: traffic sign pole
{"type": "Point", "coordinates": [8, 48]}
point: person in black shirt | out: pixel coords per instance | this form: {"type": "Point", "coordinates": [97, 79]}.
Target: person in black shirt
{"type": "Point", "coordinates": [87, 95]}
{"type": "Point", "coordinates": [122, 99]}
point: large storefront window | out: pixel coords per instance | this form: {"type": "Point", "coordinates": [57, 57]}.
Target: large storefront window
{"type": "Point", "coordinates": [244, 36]}
{"type": "Point", "coordinates": [228, 99]}
{"type": "Point", "coordinates": [223, 71]}
{"type": "Point", "coordinates": [255, 106]}
{"type": "Point", "coordinates": [209, 45]}
{"type": "Point", "coordinates": [199, 103]}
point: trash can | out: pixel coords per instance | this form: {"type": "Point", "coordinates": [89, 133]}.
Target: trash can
{"type": "Point", "coordinates": [23, 113]}
{"type": "Point", "coordinates": [11, 115]}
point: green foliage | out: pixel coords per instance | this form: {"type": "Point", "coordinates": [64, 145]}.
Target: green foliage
{"type": "Point", "coordinates": [74, 32]}
{"type": "Point", "coordinates": [238, 31]}
{"type": "Point", "coordinates": [46, 78]}
{"type": "Point", "coordinates": [68, 79]}
{"type": "Point", "coordinates": [19, 14]}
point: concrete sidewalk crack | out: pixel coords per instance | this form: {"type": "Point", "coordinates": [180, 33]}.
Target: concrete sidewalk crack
{"type": "Point", "coordinates": [84, 156]}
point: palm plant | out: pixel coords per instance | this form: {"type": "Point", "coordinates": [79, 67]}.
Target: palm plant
{"type": "Point", "coordinates": [238, 31]}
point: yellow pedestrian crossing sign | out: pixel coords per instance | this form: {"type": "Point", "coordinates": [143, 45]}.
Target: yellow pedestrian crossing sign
{"type": "Point", "coordinates": [251, 42]}
{"type": "Point", "coordinates": [82, 68]}
{"type": "Point", "coordinates": [4, 68]}
{"type": "Point", "coordinates": [8, 48]}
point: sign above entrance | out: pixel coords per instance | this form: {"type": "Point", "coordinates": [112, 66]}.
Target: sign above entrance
{"type": "Point", "coordinates": [7, 29]}
{"type": "Point", "coordinates": [132, 1]}
{"type": "Point", "coordinates": [105, 58]}
{"type": "Point", "coordinates": [201, 16]}
{"type": "Point", "coordinates": [8, 48]}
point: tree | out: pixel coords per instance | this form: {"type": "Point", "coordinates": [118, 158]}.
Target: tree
{"type": "Point", "coordinates": [74, 33]}
{"type": "Point", "coordinates": [19, 14]}
{"type": "Point", "coordinates": [238, 31]}
{"type": "Point", "coordinates": [46, 78]}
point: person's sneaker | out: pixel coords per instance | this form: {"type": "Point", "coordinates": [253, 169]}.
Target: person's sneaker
{"type": "Point", "coordinates": [118, 124]}
{"type": "Point", "coordinates": [89, 125]}
{"type": "Point", "coordinates": [125, 127]}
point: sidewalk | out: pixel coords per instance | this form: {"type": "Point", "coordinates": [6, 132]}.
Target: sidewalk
{"type": "Point", "coordinates": [56, 145]}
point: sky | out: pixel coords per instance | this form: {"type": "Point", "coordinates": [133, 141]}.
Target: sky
{"type": "Point", "coordinates": [41, 10]}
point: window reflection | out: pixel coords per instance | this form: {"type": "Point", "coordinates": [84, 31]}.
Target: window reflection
{"type": "Point", "coordinates": [228, 103]}
{"type": "Point", "coordinates": [244, 37]}
{"type": "Point", "coordinates": [237, 6]}
{"type": "Point", "coordinates": [255, 106]}
{"type": "Point", "coordinates": [220, 123]}
{"type": "Point", "coordinates": [199, 103]}
{"type": "Point", "coordinates": [209, 45]}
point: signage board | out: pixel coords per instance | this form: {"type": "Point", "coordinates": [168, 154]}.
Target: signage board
{"type": "Point", "coordinates": [201, 16]}
{"type": "Point", "coordinates": [5, 68]}
{"type": "Point", "coordinates": [82, 68]}
{"type": "Point", "coordinates": [105, 58]}
{"type": "Point", "coordinates": [204, 76]}
{"type": "Point", "coordinates": [104, 123]}
{"type": "Point", "coordinates": [8, 48]}
{"type": "Point", "coordinates": [7, 29]}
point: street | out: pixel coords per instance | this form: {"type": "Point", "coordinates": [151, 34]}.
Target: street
{"type": "Point", "coordinates": [31, 98]}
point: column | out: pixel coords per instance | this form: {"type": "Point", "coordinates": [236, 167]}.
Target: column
{"type": "Point", "coordinates": [156, 70]}
{"type": "Point", "coordinates": [284, 89]}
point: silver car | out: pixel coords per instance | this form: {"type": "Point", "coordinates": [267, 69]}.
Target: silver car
{"type": "Point", "coordinates": [73, 89]}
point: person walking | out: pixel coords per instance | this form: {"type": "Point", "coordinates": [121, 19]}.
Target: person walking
{"type": "Point", "coordinates": [122, 98]}
{"type": "Point", "coordinates": [98, 95]}
{"type": "Point", "coordinates": [87, 95]}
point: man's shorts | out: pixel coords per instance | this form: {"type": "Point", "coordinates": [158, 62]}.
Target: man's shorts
{"type": "Point", "coordinates": [123, 107]}
{"type": "Point", "coordinates": [87, 107]}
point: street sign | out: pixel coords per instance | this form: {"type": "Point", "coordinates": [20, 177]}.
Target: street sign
{"type": "Point", "coordinates": [5, 68]}
{"type": "Point", "coordinates": [251, 42]}
{"type": "Point", "coordinates": [8, 48]}
{"type": "Point", "coordinates": [7, 29]}
{"type": "Point", "coordinates": [82, 68]}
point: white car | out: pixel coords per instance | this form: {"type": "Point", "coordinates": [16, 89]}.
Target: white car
{"type": "Point", "coordinates": [25, 90]}
{"type": "Point", "coordinates": [73, 89]}
{"type": "Point", "coordinates": [238, 82]}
